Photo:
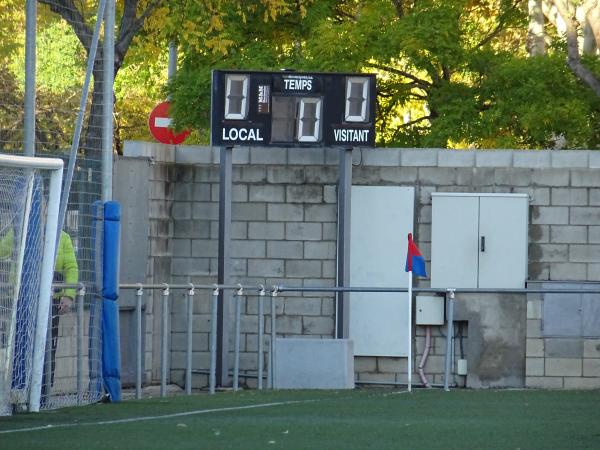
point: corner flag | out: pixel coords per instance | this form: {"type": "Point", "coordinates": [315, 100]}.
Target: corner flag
{"type": "Point", "coordinates": [414, 260]}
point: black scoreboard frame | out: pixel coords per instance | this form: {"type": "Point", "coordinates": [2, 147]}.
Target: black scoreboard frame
{"type": "Point", "coordinates": [292, 109]}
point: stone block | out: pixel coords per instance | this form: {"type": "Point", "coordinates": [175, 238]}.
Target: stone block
{"type": "Point", "coordinates": [249, 174]}
{"type": "Point", "coordinates": [563, 367]}
{"type": "Point", "coordinates": [585, 253]}
{"type": "Point", "coordinates": [534, 367]}
{"type": "Point", "coordinates": [582, 383]}
{"type": "Point", "coordinates": [594, 197]}
{"type": "Point", "coordinates": [569, 196]}
{"type": "Point", "coordinates": [329, 231]}
{"type": "Point", "coordinates": [437, 176]}
{"type": "Point", "coordinates": [534, 348]}
{"type": "Point", "coordinates": [530, 159]}
{"type": "Point", "coordinates": [183, 192]}
{"type": "Point", "coordinates": [493, 158]}
{"type": "Point", "coordinates": [205, 248]}
{"type": "Point", "coordinates": [544, 382]}
{"type": "Point", "coordinates": [550, 215]}
{"type": "Point", "coordinates": [534, 328]}
{"type": "Point", "coordinates": [381, 157]}
{"type": "Point", "coordinates": [319, 250]}
{"type": "Point", "coordinates": [456, 158]}
{"type": "Point", "coordinates": [306, 193]}
{"type": "Point", "coordinates": [365, 363]}
{"type": "Point", "coordinates": [266, 230]}
{"type": "Point", "coordinates": [302, 306]}
{"type": "Point", "coordinates": [398, 175]}
{"type": "Point", "coordinates": [584, 178]}
{"type": "Point", "coordinates": [550, 252]}
{"type": "Point", "coordinates": [591, 367]}
{"type": "Point", "coordinates": [285, 212]}
{"type": "Point", "coordinates": [510, 176]}
{"type": "Point", "coordinates": [307, 156]}
{"type": "Point", "coordinates": [568, 271]}
{"type": "Point", "coordinates": [304, 268]}
{"type": "Point", "coordinates": [594, 234]}
{"type": "Point", "coordinates": [299, 231]}
{"type": "Point", "coordinates": [205, 211]}
{"type": "Point", "coordinates": [256, 212]}
{"type": "Point", "coordinates": [265, 267]}
{"type": "Point", "coordinates": [550, 177]}
{"type": "Point", "coordinates": [285, 249]}
{"type": "Point", "coordinates": [418, 157]}
{"type": "Point", "coordinates": [268, 193]}
{"type": "Point", "coordinates": [321, 175]}
{"type": "Point", "coordinates": [568, 234]}
{"type": "Point", "coordinates": [393, 365]}
{"type": "Point", "coordinates": [593, 272]}
{"type": "Point", "coordinates": [539, 234]}
{"type": "Point", "coordinates": [320, 213]}
{"type": "Point", "coordinates": [182, 247]}
{"type": "Point", "coordinates": [534, 309]}
{"type": "Point", "coordinates": [248, 248]}
{"type": "Point", "coordinates": [570, 158]}
{"type": "Point", "coordinates": [268, 155]}
{"type": "Point", "coordinates": [288, 325]}
{"type": "Point", "coordinates": [585, 215]}
{"type": "Point", "coordinates": [538, 196]}
{"type": "Point", "coordinates": [323, 326]}
{"type": "Point", "coordinates": [286, 175]}
{"type": "Point", "coordinates": [594, 160]}
{"type": "Point", "coordinates": [201, 192]}
{"type": "Point", "coordinates": [330, 194]}
{"type": "Point", "coordinates": [563, 348]}
{"type": "Point", "coordinates": [591, 348]}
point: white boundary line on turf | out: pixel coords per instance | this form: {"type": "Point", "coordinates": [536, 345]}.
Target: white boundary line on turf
{"type": "Point", "coordinates": [165, 416]}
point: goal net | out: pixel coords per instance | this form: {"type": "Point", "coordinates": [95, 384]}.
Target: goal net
{"type": "Point", "coordinates": [29, 204]}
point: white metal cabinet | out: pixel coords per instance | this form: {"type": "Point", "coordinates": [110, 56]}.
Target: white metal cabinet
{"type": "Point", "coordinates": [479, 240]}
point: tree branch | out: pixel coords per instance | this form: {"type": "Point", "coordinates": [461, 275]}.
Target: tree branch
{"type": "Point", "coordinates": [419, 82]}
{"type": "Point", "coordinates": [573, 57]}
{"type": "Point", "coordinates": [73, 16]}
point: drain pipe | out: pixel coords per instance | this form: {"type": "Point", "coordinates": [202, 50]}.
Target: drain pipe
{"type": "Point", "coordinates": [424, 357]}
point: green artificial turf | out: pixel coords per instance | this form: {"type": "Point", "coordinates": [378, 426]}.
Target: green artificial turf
{"type": "Point", "coordinates": [360, 419]}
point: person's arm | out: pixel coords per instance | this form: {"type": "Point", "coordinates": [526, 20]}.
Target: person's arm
{"type": "Point", "coordinates": [69, 269]}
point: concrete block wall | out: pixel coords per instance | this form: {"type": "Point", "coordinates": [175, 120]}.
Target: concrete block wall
{"type": "Point", "coordinates": [284, 232]}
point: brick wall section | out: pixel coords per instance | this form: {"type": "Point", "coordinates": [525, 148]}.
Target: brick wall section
{"type": "Point", "coordinates": [284, 231]}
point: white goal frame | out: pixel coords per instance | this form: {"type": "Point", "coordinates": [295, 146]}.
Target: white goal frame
{"type": "Point", "coordinates": [55, 168]}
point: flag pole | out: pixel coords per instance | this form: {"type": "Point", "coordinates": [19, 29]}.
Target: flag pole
{"type": "Point", "coordinates": [410, 282]}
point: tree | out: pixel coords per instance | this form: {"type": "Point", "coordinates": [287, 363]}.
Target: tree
{"type": "Point", "coordinates": [451, 73]}
{"type": "Point", "coordinates": [133, 15]}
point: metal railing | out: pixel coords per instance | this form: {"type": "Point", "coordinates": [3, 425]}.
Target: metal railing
{"type": "Point", "coordinates": [260, 292]}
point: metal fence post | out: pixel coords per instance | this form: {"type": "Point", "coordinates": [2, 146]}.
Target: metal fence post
{"type": "Point", "coordinates": [449, 335]}
{"type": "Point", "coordinates": [273, 336]}
{"type": "Point", "coordinates": [190, 322]}
{"type": "Point", "coordinates": [261, 332]}
{"type": "Point", "coordinates": [80, 296]}
{"type": "Point", "coordinates": [163, 341]}
{"type": "Point", "coordinates": [138, 342]}
{"type": "Point", "coordinates": [213, 340]}
{"type": "Point", "coordinates": [236, 363]}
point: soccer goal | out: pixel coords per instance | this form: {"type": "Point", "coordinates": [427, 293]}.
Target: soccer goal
{"type": "Point", "coordinates": [29, 204]}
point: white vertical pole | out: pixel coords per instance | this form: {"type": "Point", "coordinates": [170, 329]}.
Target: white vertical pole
{"type": "Point", "coordinates": [30, 34]}
{"type": "Point", "coordinates": [107, 98]}
{"type": "Point", "coordinates": [45, 290]}
{"type": "Point", "coordinates": [410, 282]}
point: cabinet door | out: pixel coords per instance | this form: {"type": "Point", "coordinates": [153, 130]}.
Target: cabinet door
{"type": "Point", "coordinates": [454, 246]}
{"type": "Point", "coordinates": [503, 241]}
{"type": "Point", "coordinates": [381, 218]}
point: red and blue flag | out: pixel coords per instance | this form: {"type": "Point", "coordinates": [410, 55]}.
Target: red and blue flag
{"type": "Point", "coordinates": [415, 262]}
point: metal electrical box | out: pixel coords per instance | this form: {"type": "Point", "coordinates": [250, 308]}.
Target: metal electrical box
{"type": "Point", "coordinates": [479, 240]}
{"type": "Point", "coordinates": [430, 310]}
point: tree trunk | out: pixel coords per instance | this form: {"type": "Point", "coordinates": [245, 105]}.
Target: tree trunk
{"type": "Point", "coordinates": [536, 44]}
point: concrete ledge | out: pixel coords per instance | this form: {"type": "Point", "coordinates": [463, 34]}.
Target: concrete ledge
{"type": "Point", "coordinates": [314, 364]}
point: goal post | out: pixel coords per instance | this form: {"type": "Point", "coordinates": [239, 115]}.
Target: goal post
{"type": "Point", "coordinates": [21, 191]}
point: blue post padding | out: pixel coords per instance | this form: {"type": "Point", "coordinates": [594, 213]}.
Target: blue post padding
{"type": "Point", "coordinates": [112, 235]}
{"type": "Point", "coordinates": [111, 353]}
{"type": "Point", "coordinates": [111, 359]}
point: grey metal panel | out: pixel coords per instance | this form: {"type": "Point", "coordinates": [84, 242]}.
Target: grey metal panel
{"type": "Point", "coordinates": [454, 245]}
{"type": "Point", "coordinates": [561, 312]}
{"type": "Point", "coordinates": [503, 226]}
{"type": "Point", "coordinates": [590, 307]}
{"type": "Point", "coordinates": [131, 190]}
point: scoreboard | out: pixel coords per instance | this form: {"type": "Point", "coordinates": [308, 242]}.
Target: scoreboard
{"type": "Point", "coordinates": [292, 109]}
